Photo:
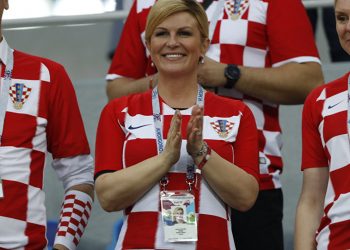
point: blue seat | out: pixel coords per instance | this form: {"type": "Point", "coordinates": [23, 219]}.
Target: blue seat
{"type": "Point", "coordinates": [116, 230]}
{"type": "Point", "coordinates": [51, 228]}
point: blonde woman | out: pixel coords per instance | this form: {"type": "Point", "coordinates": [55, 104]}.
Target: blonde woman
{"type": "Point", "coordinates": [176, 145]}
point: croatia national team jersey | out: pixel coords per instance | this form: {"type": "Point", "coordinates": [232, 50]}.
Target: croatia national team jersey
{"type": "Point", "coordinates": [268, 33]}
{"type": "Point", "coordinates": [326, 144]}
{"type": "Point", "coordinates": [126, 136]}
{"type": "Point", "coordinates": [41, 116]}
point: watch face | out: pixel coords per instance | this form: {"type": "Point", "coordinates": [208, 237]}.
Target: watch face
{"type": "Point", "coordinates": [232, 73]}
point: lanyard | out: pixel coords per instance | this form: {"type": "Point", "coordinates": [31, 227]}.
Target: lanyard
{"type": "Point", "coordinates": [158, 126]}
{"type": "Point", "coordinates": [4, 90]}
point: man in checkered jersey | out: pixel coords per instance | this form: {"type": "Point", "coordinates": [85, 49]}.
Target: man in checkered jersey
{"type": "Point", "coordinates": [263, 52]}
{"type": "Point", "coordinates": [323, 213]}
{"type": "Point", "coordinates": [39, 113]}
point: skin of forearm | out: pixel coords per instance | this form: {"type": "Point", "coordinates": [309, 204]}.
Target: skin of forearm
{"type": "Point", "coordinates": [307, 222]}
{"type": "Point", "coordinates": [234, 186]}
{"type": "Point", "coordinates": [124, 86]}
{"type": "Point", "coordinates": [287, 84]}
{"type": "Point", "coordinates": [86, 188]}
{"type": "Point", "coordinates": [310, 207]}
{"type": "Point", "coordinates": [133, 183]}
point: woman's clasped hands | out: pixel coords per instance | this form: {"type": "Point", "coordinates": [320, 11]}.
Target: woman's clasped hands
{"type": "Point", "coordinates": [194, 131]}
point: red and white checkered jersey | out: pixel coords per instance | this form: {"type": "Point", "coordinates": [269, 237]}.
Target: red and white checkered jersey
{"type": "Point", "coordinates": [126, 136]}
{"type": "Point", "coordinates": [48, 120]}
{"type": "Point", "coordinates": [269, 33]}
{"type": "Point", "coordinates": [326, 144]}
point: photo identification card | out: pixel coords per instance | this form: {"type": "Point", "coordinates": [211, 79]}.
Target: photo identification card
{"type": "Point", "coordinates": [178, 216]}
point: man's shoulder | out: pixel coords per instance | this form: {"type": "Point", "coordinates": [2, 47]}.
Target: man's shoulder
{"type": "Point", "coordinates": [226, 103]}
{"type": "Point", "coordinates": [136, 101]}
{"type": "Point", "coordinates": [24, 58]}
{"type": "Point", "coordinates": [336, 86]}
{"type": "Point", "coordinates": [144, 4]}
{"type": "Point", "coordinates": [329, 89]}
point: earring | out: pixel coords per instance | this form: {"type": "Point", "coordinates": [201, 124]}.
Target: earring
{"type": "Point", "coordinates": [201, 59]}
{"type": "Point", "coordinates": [152, 64]}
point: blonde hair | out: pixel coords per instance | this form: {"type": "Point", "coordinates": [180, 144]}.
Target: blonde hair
{"type": "Point", "coordinates": [162, 9]}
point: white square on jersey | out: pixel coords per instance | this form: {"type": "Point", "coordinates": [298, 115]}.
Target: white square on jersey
{"type": "Point", "coordinates": [257, 11]}
{"type": "Point", "coordinates": [238, 32]}
{"type": "Point", "coordinates": [339, 148]}
{"type": "Point", "coordinates": [30, 105]}
{"type": "Point", "coordinates": [253, 57]}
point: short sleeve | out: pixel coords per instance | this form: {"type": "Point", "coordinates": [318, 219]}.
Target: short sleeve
{"type": "Point", "coordinates": [313, 154]}
{"type": "Point", "coordinates": [290, 33]}
{"type": "Point", "coordinates": [65, 130]}
{"type": "Point", "coordinates": [130, 59]}
{"type": "Point", "coordinates": [110, 139]}
{"type": "Point", "coordinates": [246, 148]}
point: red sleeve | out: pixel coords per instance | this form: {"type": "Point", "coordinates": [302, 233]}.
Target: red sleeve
{"type": "Point", "coordinates": [246, 148]}
{"type": "Point", "coordinates": [289, 31]}
{"type": "Point", "coordinates": [110, 138]}
{"type": "Point", "coordinates": [130, 58]}
{"type": "Point", "coordinates": [65, 130]}
{"type": "Point", "coordinates": [313, 154]}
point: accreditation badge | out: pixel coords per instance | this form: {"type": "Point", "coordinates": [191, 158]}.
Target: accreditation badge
{"type": "Point", "coordinates": [1, 190]}
{"type": "Point", "coordinates": [178, 216]}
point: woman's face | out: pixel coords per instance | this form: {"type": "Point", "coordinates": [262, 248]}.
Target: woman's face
{"type": "Point", "coordinates": [342, 16]}
{"type": "Point", "coordinates": [179, 216]}
{"type": "Point", "coordinates": [176, 45]}
{"type": "Point", "coordinates": [179, 212]}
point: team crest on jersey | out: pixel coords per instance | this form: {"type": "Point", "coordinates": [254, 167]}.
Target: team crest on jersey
{"type": "Point", "coordinates": [222, 127]}
{"type": "Point", "coordinates": [236, 8]}
{"type": "Point", "coordinates": [19, 94]}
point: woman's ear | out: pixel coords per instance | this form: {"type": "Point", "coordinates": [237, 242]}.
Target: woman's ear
{"type": "Point", "coordinates": [6, 4]}
{"type": "Point", "coordinates": [148, 46]}
{"type": "Point", "coordinates": [205, 45]}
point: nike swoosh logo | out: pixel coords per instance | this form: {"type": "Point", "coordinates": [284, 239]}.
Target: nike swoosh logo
{"type": "Point", "coordinates": [131, 127]}
{"type": "Point", "coordinates": [332, 106]}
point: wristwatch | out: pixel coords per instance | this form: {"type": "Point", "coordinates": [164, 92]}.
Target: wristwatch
{"type": "Point", "coordinates": [232, 74]}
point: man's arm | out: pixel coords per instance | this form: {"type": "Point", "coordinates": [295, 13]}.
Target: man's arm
{"type": "Point", "coordinates": [310, 207]}
{"type": "Point", "coordinates": [286, 84]}
{"type": "Point", "coordinates": [76, 174]}
{"type": "Point", "coordinates": [85, 188]}
{"type": "Point", "coordinates": [124, 86]}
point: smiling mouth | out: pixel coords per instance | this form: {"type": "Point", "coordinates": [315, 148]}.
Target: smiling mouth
{"type": "Point", "coordinates": [173, 56]}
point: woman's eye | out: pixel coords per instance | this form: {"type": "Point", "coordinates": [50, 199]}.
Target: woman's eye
{"type": "Point", "coordinates": [185, 33]}
{"type": "Point", "coordinates": [342, 18]}
{"type": "Point", "coordinates": [160, 33]}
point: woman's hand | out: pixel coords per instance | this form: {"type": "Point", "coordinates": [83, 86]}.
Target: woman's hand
{"type": "Point", "coordinates": [194, 132]}
{"type": "Point", "coordinates": [172, 147]}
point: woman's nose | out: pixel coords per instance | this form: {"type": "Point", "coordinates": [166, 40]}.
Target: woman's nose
{"type": "Point", "coordinates": [172, 41]}
{"type": "Point", "coordinates": [348, 25]}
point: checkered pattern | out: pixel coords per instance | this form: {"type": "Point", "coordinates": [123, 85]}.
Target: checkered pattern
{"type": "Point", "coordinates": [223, 131]}
{"type": "Point", "coordinates": [247, 41]}
{"type": "Point", "coordinates": [28, 135]}
{"type": "Point", "coordinates": [230, 7]}
{"type": "Point", "coordinates": [75, 213]}
{"type": "Point", "coordinates": [326, 144]}
{"type": "Point", "coordinates": [23, 98]}
{"type": "Point", "coordinates": [143, 229]}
